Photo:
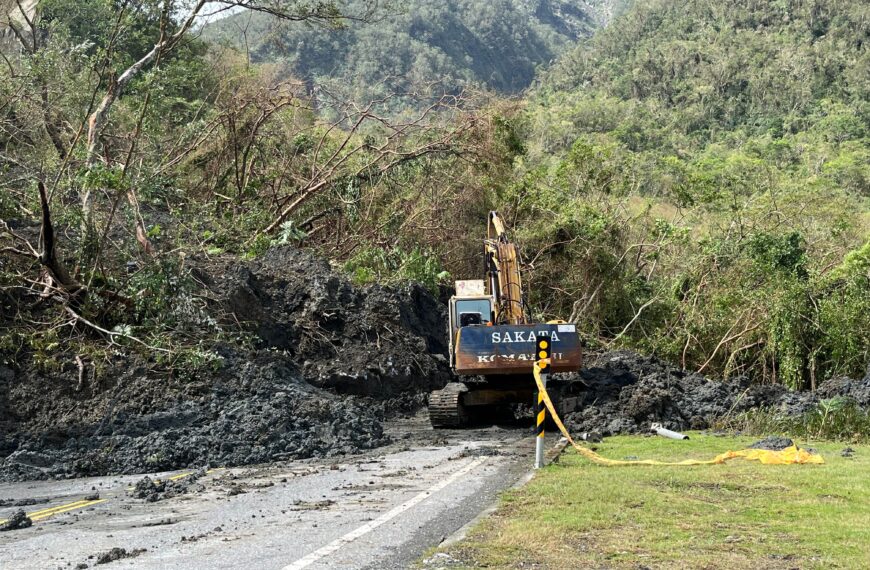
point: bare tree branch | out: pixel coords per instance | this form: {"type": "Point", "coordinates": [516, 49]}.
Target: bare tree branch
{"type": "Point", "coordinates": [113, 334]}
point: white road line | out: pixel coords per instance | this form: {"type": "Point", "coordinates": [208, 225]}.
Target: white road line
{"type": "Point", "coordinates": [386, 517]}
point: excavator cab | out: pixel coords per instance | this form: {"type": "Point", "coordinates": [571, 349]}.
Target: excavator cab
{"type": "Point", "coordinates": [470, 307]}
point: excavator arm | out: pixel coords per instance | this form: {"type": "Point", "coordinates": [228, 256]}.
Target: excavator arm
{"type": "Point", "coordinates": [503, 279]}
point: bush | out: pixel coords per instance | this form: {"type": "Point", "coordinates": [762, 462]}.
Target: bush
{"type": "Point", "coordinates": [395, 266]}
{"type": "Point", "coordinates": [835, 419]}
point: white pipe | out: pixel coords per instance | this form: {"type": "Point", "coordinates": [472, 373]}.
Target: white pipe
{"type": "Point", "coordinates": [667, 433]}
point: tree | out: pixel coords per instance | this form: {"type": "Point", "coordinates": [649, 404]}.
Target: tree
{"type": "Point", "coordinates": [170, 35]}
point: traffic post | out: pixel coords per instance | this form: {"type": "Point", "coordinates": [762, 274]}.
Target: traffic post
{"type": "Point", "coordinates": [542, 358]}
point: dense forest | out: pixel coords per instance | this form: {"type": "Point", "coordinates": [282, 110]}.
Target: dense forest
{"type": "Point", "coordinates": [720, 152]}
{"type": "Point", "coordinates": [692, 180]}
{"type": "Point", "coordinates": [452, 45]}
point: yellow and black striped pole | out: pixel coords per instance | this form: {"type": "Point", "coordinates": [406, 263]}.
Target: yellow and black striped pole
{"type": "Point", "coordinates": [542, 357]}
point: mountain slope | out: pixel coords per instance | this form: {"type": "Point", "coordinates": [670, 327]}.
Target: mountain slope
{"type": "Point", "coordinates": [765, 66]}
{"type": "Point", "coordinates": [494, 43]}
{"type": "Point", "coordinates": [704, 171]}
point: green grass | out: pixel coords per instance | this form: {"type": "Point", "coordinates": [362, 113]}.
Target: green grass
{"type": "Point", "coordinates": [575, 514]}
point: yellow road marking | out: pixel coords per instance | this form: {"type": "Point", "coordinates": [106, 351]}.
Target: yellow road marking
{"type": "Point", "coordinates": [173, 478]}
{"type": "Point", "coordinates": [57, 508]}
{"type": "Point", "coordinates": [45, 513]}
{"type": "Point", "coordinates": [67, 508]}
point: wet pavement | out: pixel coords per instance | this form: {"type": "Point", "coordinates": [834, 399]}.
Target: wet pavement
{"type": "Point", "coordinates": [380, 510]}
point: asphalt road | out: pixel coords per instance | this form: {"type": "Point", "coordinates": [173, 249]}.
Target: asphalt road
{"type": "Point", "coordinates": [380, 510]}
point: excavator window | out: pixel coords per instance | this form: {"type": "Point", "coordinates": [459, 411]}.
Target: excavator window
{"type": "Point", "coordinates": [473, 312]}
{"type": "Point", "coordinates": [468, 319]}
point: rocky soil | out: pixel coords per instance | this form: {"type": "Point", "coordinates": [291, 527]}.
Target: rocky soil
{"type": "Point", "coordinates": [624, 392]}
{"type": "Point", "coordinates": [329, 361]}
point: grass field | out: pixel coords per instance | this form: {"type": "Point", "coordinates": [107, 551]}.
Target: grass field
{"type": "Point", "coordinates": [575, 514]}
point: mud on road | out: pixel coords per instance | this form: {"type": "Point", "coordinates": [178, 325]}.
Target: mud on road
{"type": "Point", "coordinates": [325, 365]}
{"type": "Point", "coordinates": [274, 515]}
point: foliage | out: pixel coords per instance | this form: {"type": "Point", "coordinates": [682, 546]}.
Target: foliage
{"type": "Point", "coordinates": [374, 264]}
{"type": "Point", "coordinates": [692, 181]}
{"type": "Point", "coordinates": [744, 128]}
{"type": "Point", "coordinates": [457, 43]}
{"type": "Point", "coordinates": [834, 419]}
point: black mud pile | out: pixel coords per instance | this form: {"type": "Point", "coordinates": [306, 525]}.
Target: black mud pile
{"type": "Point", "coordinates": [328, 360]}
{"type": "Point", "coordinates": [773, 443]}
{"type": "Point", "coordinates": [623, 392]}
{"type": "Point", "coordinates": [371, 340]}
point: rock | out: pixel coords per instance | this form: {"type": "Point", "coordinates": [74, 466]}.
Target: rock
{"type": "Point", "coordinates": [117, 554]}
{"type": "Point", "coordinates": [772, 443]}
{"type": "Point", "coordinates": [17, 521]}
{"type": "Point", "coordinates": [148, 489]}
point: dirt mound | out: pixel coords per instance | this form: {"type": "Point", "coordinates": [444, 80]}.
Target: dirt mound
{"type": "Point", "coordinates": [153, 490]}
{"type": "Point", "coordinates": [254, 410]}
{"type": "Point", "coordinates": [842, 386]}
{"type": "Point", "coordinates": [371, 340]}
{"type": "Point", "coordinates": [320, 344]}
{"type": "Point", "coordinates": [623, 392]}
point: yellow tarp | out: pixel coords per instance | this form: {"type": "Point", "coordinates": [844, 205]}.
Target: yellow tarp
{"type": "Point", "coordinates": [787, 456]}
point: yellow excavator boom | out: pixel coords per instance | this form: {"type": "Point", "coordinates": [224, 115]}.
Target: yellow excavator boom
{"type": "Point", "coordinates": [503, 280]}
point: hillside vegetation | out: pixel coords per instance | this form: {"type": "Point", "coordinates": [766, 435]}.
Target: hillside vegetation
{"type": "Point", "coordinates": [456, 43]}
{"type": "Point", "coordinates": [698, 175]}
{"type": "Point", "coordinates": [692, 181]}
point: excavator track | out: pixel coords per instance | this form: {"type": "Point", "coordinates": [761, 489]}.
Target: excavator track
{"type": "Point", "coordinates": [445, 407]}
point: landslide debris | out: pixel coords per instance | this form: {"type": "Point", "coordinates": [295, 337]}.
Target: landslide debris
{"type": "Point", "coordinates": [372, 340]}
{"type": "Point", "coordinates": [17, 521]}
{"type": "Point", "coordinates": [624, 392]}
{"type": "Point", "coordinates": [327, 362]}
{"type": "Point", "coordinates": [117, 554]}
{"type": "Point", "coordinates": [148, 489]}
{"type": "Point", "coordinates": [153, 490]}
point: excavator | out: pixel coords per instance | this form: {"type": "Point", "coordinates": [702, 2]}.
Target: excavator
{"type": "Point", "coordinates": [492, 339]}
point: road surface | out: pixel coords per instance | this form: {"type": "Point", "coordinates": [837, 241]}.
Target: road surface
{"type": "Point", "coordinates": [379, 510]}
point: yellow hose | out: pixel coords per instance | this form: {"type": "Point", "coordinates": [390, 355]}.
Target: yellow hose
{"type": "Point", "coordinates": [788, 455]}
